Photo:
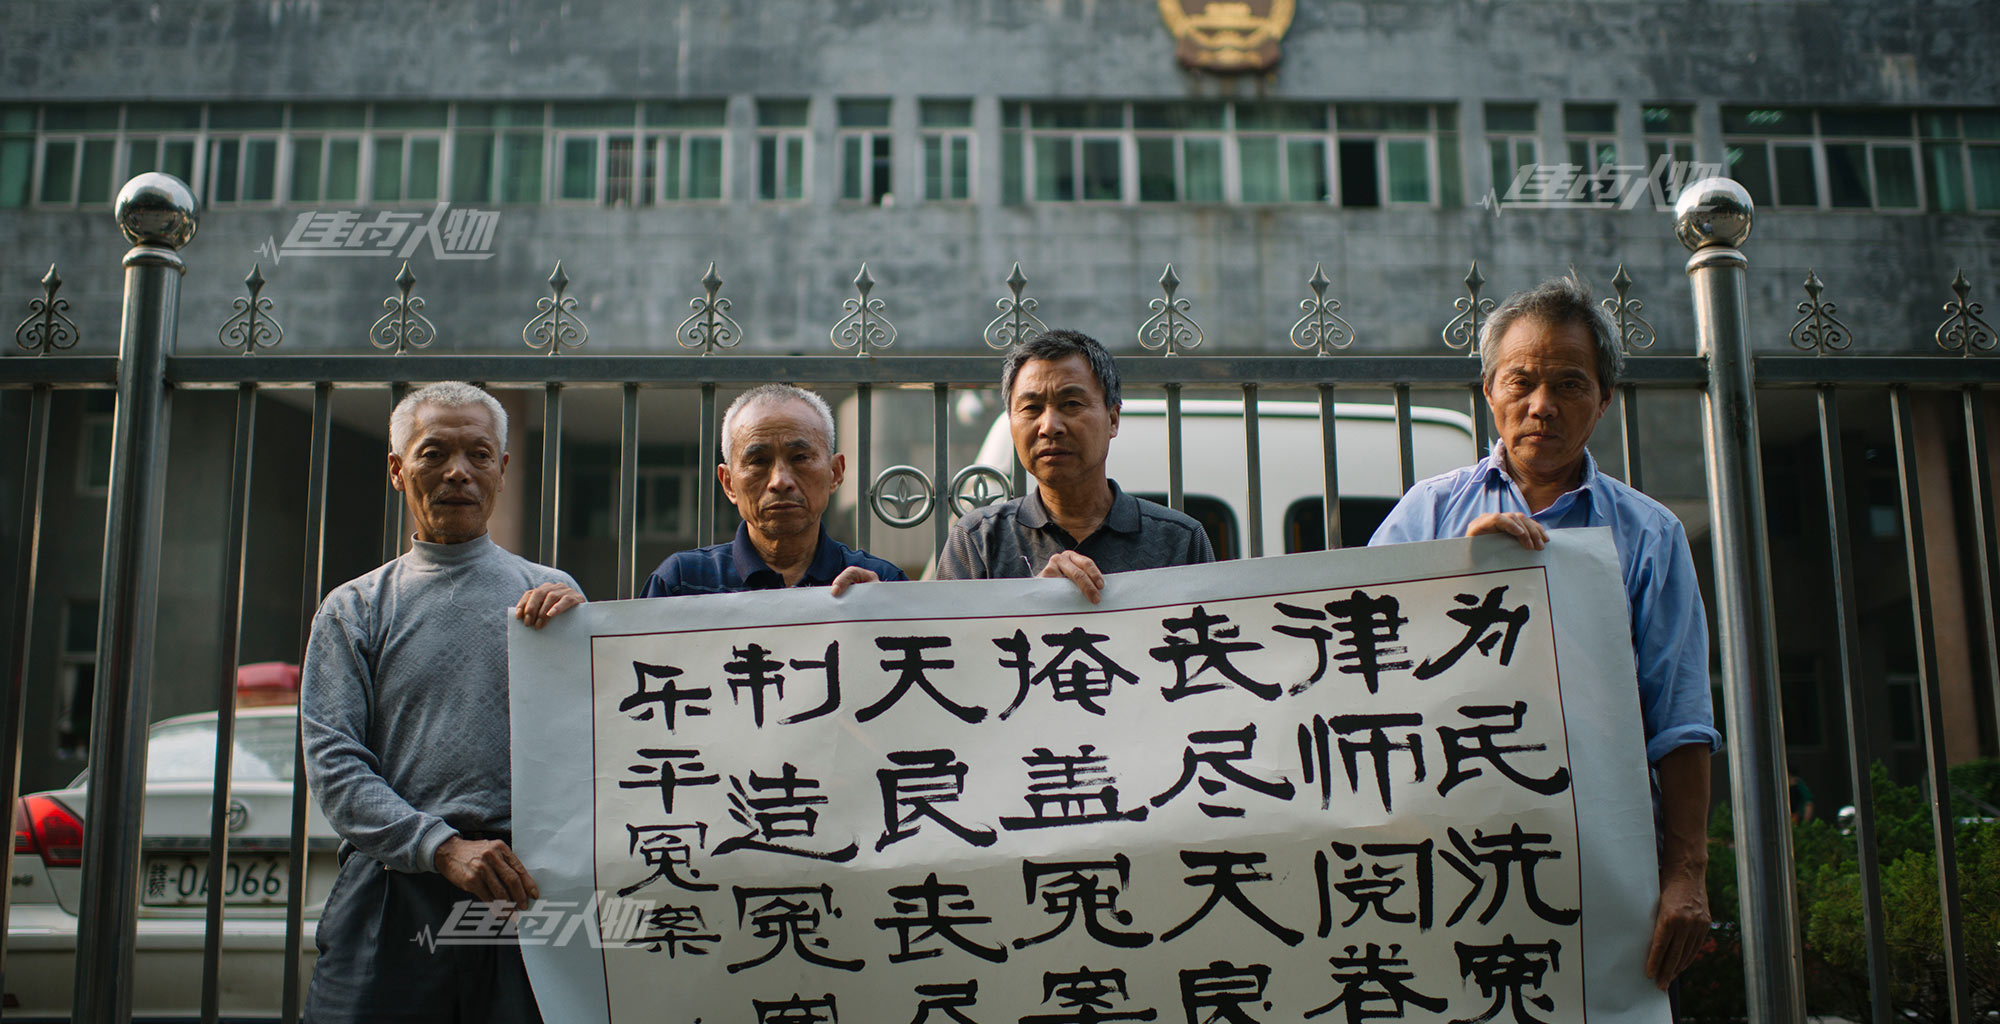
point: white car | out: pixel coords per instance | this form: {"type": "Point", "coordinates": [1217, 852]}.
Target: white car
{"type": "Point", "coordinates": [47, 883]}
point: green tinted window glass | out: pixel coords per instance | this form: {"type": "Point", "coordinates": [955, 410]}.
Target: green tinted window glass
{"type": "Point", "coordinates": [58, 171]}
{"type": "Point", "coordinates": [83, 117]}
{"type": "Point", "coordinates": [183, 117]}
{"type": "Point", "coordinates": [864, 113]}
{"type": "Point", "coordinates": [1985, 163]}
{"type": "Point", "coordinates": [1101, 177]}
{"type": "Point", "coordinates": [1797, 186]}
{"type": "Point", "coordinates": [1305, 170]}
{"type": "Point", "coordinates": [1667, 119]}
{"type": "Point", "coordinates": [246, 116]}
{"type": "Point", "coordinates": [933, 167]}
{"type": "Point", "coordinates": [94, 183]}
{"type": "Point", "coordinates": [352, 116]}
{"type": "Point", "coordinates": [781, 113]}
{"type": "Point", "coordinates": [17, 162]}
{"type": "Point", "coordinates": [687, 113]}
{"type": "Point", "coordinates": [1846, 175]}
{"type": "Point", "coordinates": [767, 167]}
{"type": "Point", "coordinates": [1985, 125]}
{"type": "Point", "coordinates": [1451, 187]}
{"type": "Point", "coordinates": [17, 117]}
{"type": "Point", "coordinates": [343, 169]}
{"type": "Point", "coordinates": [1766, 121]}
{"type": "Point", "coordinates": [852, 186]}
{"type": "Point", "coordinates": [1409, 171]}
{"type": "Point", "coordinates": [520, 168]}
{"type": "Point", "coordinates": [423, 177]}
{"type": "Point", "coordinates": [593, 115]}
{"type": "Point", "coordinates": [1944, 177]}
{"type": "Point", "coordinates": [1202, 178]}
{"type": "Point", "coordinates": [1499, 154]}
{"type": "Point", "coordinates": [1510, 117]}
{"type": "Point", "coordinates": [1079, 115]}
{"type": "Point", "coordinates": [1395, 117]}
{"type": "Point", "coordinates": [307, 155]}
{"type": "Point", "coordinates": [961, 167]}
{"type": "Point", "coordinates": [1937, 126]}
{"type": "Point", "coordinates": [411, 115]}
{"type": "Point", "coordinates": [1876, 123]}
{"type": "Point", "coordinates": [795, 167]}
{"type": "Point", "coordinates": [388, 181]}
{"type": "Point", "coordinates": [579, 168]}
{"type": "Point", "coordinates": [1012, 184]}
{"type": "Point", "coordinates": [1156, 170]}
{"type": "Point", "coordinates": [1257, 159]}
{"type": "Point", "coordinates": [472, 167]}
{"type": "Point", "coordinates": [1589, 117]}
{"type": "Point", "coordinates": [1751, 167]}
{"type": "Point", "coordinates": [704, 162]}
{"type": "Point", "coordinates": [500, 115]}
{"type": "Point", "coordinates": [1010, 115]}
{"type": "Point", "coordinates": [1290, 117]}
{"type": "Point", "coordinates": [1055, 168]}
{"type": "Point", "coordinates": [141, 155]}
{"type": "Point", "coordinates": [177, 158]}
{"type": "Point", "coordinates": [1177, 116]}
{"type": "Point", "coordinates": [945, 113]}
{"type": "Point", "coordinates": [1895, 177]}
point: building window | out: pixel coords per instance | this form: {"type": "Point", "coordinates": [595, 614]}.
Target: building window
{"type": "Point", "coordinates": [1590, 134]}
{"type": "Point", "coordinates": [781, 149]}
{"type": "Point", "coordinates": [1832, 159]}
{"type": "Point", "coordinates": [407, 151]}
{"type": "Point", "coordinates": [1961, 156]}
{"type": "Point", "coordinates": [1281, 154]}
{"type": "Point", "coordinates": [688, 159]}
{"type": "Point", "coordinates": [497, 152]}
{"type": "Point", "coordinates": [79, 147]}
{"type": "Point", "coordinates": [1076, 151]}
{"type": "Point", "coordinates": [93, 465]}
{"type": "Point", "coordinates": [865, 149]}
{"type": "Point", "coordinates": [1512, 142]}
{"type": "Point", "coordinates": [1181, 151]}
{"type": "Point", "coordinates": [78, 673]}
{"type": "Point", "coordinates": [17, 154]}
{"type": "Point", "coordinates": [1669, 132]}
{"type": "Point", "coordinates": [1385, 153]}
{"type": "Point", "coordinates": [946, 137]}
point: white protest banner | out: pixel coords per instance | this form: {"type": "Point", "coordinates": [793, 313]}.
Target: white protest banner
{"type": "Point", "coordinates": [1380, 784]}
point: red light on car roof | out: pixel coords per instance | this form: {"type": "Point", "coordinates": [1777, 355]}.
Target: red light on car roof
{"type": "Point", "coordinates": [43, 826]}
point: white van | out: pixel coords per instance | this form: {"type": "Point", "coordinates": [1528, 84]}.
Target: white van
{"type": "Point", "coordinates": [1214, 470]}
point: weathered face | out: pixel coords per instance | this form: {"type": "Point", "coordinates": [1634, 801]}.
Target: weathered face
{"type": "Point", "coordinates": [781, 473]}
{"type": "Point", "coordinates": [451, 472]}
{"type": "Point", "coordinates": [1545, 396]}
{"type": "Point", "coordinates": [1062, 427]}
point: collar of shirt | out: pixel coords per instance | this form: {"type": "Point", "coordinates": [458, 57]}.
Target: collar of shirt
{"type": "Point", "coordinates": [425, 554]}
{"type": "Point", "coordinates": [1123, 517]}
{"type": "Point", "coordinates": [1492, 471]}
{"type": "Point", "coordinates": [748, 564]}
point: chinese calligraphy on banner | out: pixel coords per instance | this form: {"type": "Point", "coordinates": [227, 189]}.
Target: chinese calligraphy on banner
{"type": "Point", "coordinates": [1385, 784]}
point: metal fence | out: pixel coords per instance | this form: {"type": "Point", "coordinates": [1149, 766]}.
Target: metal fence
{"type": "Point", "coordinates": [157, 212]}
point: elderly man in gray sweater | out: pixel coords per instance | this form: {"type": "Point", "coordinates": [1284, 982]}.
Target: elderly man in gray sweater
{"type": "Point", "coordinates": [405, 715]}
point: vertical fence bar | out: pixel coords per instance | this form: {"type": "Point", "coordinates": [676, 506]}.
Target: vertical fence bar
{"type": "Point", "coordinates": [1628, 433]}
{"type": "Point", "coordinates": [941, 517]}
{"type": "Point", "coordinates": [1253, 465]}
{"type": "Point", "coordinates": [1176, 498]}
{"type": "Point", "coordinates": [628, 494]}
{"type": "Point", "coordinates": [864, 463]}
{"type": "Point", "coordinates": [27, 558]}
{"type": "Point", "coordinates": [1406, 453]}
{"type": "Point", "coordinates": [392, 499]}
{"type": "Point", "coordinates": [1847, 621]}
{"type": "Point", "coordinates": [1482, 423]}
{"type": "Point", "coordinates": [1330, 466]}
{"type": "Point", "coordinates": [314, 586]}
{"type": "Point", "coordinates": [551, 473]}
{"type": "Point", "coordinates": [156, 212]}
{"type": "Point", "coordinates": [233, 554]}
{"type": "Point", "coordinates": [1985, 542]}
{"type": "Point", "coordinates": [1712, 219]}
{"type": "Point", "coordinates": [1936, 766]}
{"type": "Point", "coordinates": [704, 464]}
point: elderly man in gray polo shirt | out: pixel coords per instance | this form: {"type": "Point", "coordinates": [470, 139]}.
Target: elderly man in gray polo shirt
{"type": "Point", "coordinates": [1062, 397]}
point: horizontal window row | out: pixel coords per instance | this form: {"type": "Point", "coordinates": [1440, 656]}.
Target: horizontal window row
{"type": "Point", "coordinates": [1948, 161]}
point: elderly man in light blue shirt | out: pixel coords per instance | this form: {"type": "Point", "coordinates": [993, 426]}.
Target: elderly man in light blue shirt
{"type": "Point", "coordinates": [1550, 359]}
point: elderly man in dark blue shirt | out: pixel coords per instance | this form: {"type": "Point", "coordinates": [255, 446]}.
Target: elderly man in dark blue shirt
{"type": "Point", "coordinates": [780, 470]}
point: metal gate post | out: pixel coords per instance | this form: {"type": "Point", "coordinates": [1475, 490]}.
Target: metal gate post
{"type": "Point", "coordinates": [156, 212]}
{"type": "Point", "coordinates": [1712, 218]}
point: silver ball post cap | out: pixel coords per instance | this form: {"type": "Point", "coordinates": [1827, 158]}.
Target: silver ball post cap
{"type": "Point", "coordinates": [156, 209]}
{"type": "Point", "coordinates": [1711, 212]}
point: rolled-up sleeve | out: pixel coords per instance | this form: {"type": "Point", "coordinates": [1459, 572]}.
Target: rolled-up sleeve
{"type": "Point", "coordinates": [1670, 647]}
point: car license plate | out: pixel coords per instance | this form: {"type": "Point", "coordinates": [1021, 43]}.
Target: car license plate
{"type": "Point", "coordinates": [181, 880]}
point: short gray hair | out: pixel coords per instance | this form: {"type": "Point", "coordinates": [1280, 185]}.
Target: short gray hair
{"type": "Point", "coordinates": [774, 393]}
{"type": "Point", "coordinates": [1055, 346]}
{"type": "Point", "coordinates": [450, 394]}
{"type": "Point", "coordinates": [1557, 302]}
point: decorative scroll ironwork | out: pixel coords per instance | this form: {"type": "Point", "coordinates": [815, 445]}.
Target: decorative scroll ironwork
{"type": "Point", "coordinates": [902, 507]}
{"type": "Point", "coordinates": [1170, 328]}
{"type": "Point", "coordinates": [864, 324]}
{"type": "Point", "coordinates": [1964, 331]}
{"type": "Point", "coordinates": [1462, 331]}
{"type": "Point", "coordinates": [404, 326]}
{"type": "Point", "coordinates": [1322, 328]}
{"type": "Point", "coordinates": [1634, 331]}
{"type": "Point", "coordinates": [252, 326]}
{"type": "Point", "coordinates": [710, 326]}
{"type": "Point", "coordinates": [46, 329]}
{"type": "Point", "coordinates": [977, 486]}
{"type": "Point", "coordinates": [1819, 331]}
{"type": "Point", "coordinates": [1017, 320]}
{"type": "Point", "coordinates": [557, 326]}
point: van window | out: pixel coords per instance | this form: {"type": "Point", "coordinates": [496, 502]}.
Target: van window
{"type": "Point", "coordinates": [1217, 520]}
{"type": "Point", "coordinates": [1305, 522]}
